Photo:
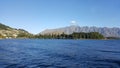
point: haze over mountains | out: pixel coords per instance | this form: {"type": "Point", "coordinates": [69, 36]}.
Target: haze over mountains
{"type": "Point", "coordinates": [105, 31]}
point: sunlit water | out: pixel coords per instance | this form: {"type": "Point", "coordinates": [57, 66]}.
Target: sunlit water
{"type": "Point", "coordinates": [41, 53]}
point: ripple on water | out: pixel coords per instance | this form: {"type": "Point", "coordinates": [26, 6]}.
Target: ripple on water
{"type": "Point", "coordinates": [16, 66]}
{"type": "Point", "coordinates": [59, 54]}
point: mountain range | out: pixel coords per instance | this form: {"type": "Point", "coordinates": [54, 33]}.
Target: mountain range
{"type": "Point", "coordinates": [9, 32]}
{"type": "Point", "coordinates": [105, 31]}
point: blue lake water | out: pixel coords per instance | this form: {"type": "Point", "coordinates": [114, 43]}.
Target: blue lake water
{"type": "Point", "coordinates": [41, 53]}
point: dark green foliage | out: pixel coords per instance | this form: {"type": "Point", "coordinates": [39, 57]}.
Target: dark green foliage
{"type": "Point", "coordinates": [23, 30]}
{"type": "Point", "coordinates": [4, 27]}
{"type": "Point", "coordinates": [22, 35]}
{"type": "Point", "coordinates": [112, 37]}
{"type": "Point", "coordinates": [81, 35]}
{"type": "Point", "coordinates": [91, 35]}
{"type": "Point", "coordinates": [25, 35]}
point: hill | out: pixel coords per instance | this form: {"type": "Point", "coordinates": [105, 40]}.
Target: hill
{"type": "Point", "coordinates": [9, 32]}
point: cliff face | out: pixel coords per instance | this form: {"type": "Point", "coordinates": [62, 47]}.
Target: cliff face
{"type": "Point", "coordinates": [9, 32]}
{"type": "Point", "coordinates": [107, 32]}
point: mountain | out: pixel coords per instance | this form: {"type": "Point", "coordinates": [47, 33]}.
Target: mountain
{"type": "Point", "coordinates": [105, 31]}
{"type": "Point", "coordinates": [9, 32]}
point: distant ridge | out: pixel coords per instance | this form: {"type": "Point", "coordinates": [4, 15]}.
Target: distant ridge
{"type": "Point", "coordinates": [105, 31]}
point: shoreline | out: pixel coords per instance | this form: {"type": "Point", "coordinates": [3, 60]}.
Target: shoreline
{"type": "Point", "coordinates": [57, 39]}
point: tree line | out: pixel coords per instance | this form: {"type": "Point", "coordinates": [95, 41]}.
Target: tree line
{"type": "Point", "coordinates": [75, 35]}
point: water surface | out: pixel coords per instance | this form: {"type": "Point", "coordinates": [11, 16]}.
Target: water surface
{"type": "Point", "coordinates": [41, 53]}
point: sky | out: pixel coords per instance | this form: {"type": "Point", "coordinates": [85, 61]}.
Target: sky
{"type": "Point", "coordinates": [38, 15]}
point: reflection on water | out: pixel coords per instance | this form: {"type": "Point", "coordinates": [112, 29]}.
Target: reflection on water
{"type": "Point", "coordinates": [37, 53]}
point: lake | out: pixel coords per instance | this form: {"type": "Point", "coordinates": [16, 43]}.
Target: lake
{"type": "Point", "coordinates": [53, 53]}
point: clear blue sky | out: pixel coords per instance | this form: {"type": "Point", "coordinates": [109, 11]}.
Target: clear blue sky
{"type": "Point", "coordinates": [37, 15]}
